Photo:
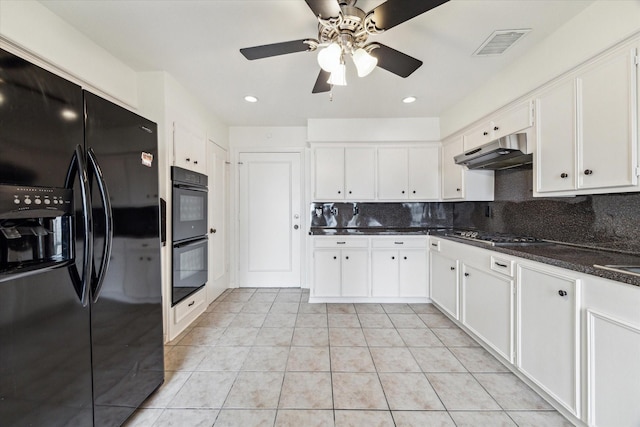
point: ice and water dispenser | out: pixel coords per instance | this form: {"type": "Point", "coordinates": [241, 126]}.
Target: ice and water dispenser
{"type": "Point", "coordinates": [36, 229]}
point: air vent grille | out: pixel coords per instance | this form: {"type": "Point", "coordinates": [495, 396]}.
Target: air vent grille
{"type": "Point", "coordinates": [499, 42]}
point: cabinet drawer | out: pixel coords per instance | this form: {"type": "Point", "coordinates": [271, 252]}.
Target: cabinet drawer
{"type": "Point", "coordinates": [399, 243]}
{"type": "Point", "coordinates": [340, 243]}
{"type": "Point", "coordinates": [502, 265]}
{"type": "Point", "coordinates": [190, 304]}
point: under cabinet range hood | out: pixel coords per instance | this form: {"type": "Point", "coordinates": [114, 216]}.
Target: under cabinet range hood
{"type": "Point", "coordinates": [507, 152]}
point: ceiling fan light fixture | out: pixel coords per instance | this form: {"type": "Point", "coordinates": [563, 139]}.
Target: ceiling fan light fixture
{"type": "Point", "coordinates": [329, 57]}
{"type": "Point", "coordinates": [338, 76]}
{"type": "Point", "coordinates": [365, 63]}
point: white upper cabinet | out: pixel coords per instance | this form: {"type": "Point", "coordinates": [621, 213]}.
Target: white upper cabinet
{"type": "Point", "coordinates": [511, 121]}
{"type": "Point", "coordinates": [586, 131]}
{"type": "Point", "coordinates": [607, 122]}
{"type": "Point", "coordinates": [556, 136]}
{"type": "Point", "coordinates": [359, 173]}
{"type": "Point", "coordinates": [329, 173]}
{"type": "Point", "coordinates": [344, 173]}
{"type": "Point", "coordinates": [409, 173]}
{"type": "Point", "coordinates": [459, 183]}
{"type": "Point", "coordinates": [189, 148]}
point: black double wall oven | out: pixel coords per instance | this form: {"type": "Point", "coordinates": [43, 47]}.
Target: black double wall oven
{"type": "Point", "coordinates": [189, 225]}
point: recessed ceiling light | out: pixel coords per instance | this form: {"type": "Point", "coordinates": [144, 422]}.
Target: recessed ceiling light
{"type": "Point", "coordinates": [250, 98]}
{"type": "Point", "coordinates": [409, 99]}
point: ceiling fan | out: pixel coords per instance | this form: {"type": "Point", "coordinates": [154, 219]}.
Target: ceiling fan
{"type": "Point", "coordinates": [343, 30]}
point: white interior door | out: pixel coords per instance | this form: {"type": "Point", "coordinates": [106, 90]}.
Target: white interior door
{"type": "Point", "coordinates": [269, 219]}
{"type": "Point", "coordinates": [218, 173]}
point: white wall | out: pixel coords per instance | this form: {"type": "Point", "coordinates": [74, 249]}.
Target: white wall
{"type": "Point", "coordinates": [272, 137]}
{"type": "Point", "coordinates": [598, 27]}
{"type": "Point", "coordinates": [34, 29]}
{"type": "Point", "coordinates": [374, 130]}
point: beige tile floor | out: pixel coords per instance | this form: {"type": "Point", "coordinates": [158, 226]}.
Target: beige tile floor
{"type": "Point", "coordinates": [266, 357]}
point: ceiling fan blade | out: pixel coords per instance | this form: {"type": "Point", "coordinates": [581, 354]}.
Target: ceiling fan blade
{"type": "Point", "coordinates": [324, 8]}
{"type": "Point", "coordinates": [275, 49]}
{"type": "Point", "coordinates": [395, 61]}
{"type": "Point", "coordinates": [321, 82]}
{"type": "Point", "coordinates": [395, 12]}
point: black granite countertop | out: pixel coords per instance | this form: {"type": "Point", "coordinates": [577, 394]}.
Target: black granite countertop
{"type": "Point", "coordinates": [370, 231]}
{"type": "Point", "coordinates": [571, 257]}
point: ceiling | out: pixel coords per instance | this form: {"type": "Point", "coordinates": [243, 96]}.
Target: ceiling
{"type": "Point", "coordinates": [198, 43]}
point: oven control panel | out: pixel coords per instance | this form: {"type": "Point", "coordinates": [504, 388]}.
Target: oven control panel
{"type": "Point", "coordinates": [19, 201]}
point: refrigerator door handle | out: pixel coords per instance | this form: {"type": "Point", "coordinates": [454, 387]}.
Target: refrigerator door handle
{"type": "Point", "coordinates": [77, 166]}
{"type": "Point", "coordinates": [98, 280]}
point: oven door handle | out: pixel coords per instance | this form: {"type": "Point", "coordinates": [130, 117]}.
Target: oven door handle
{"type": "Point", "coordinates": [197, 242]}
{"type": "Point", "coordinates": [98, 280]}
{"type": "Point", "coordinates": [191, 188]}
{"type": "Point", "coordinates": [78, 167]}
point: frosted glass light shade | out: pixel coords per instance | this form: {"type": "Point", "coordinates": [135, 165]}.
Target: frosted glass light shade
{"type": "Point", "coordinates": [329, 57]}
{"type": "Point", "coordinates": [365, 63]}
{"type": "Point", "coordinates": [338, 76]}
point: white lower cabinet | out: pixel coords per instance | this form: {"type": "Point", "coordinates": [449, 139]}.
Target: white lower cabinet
{"type": "Point", "coordinates": [548, 332]}
{"type": "Point", "coordinates": [487, 308]}
{"type": "Point", "coordinates": [444, 282]}
{"type": "Point", "coordinates": [399, 267]}
{"type": "Point", "coordinates": [340, 273]}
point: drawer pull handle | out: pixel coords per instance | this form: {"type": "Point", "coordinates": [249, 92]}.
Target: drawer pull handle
{"type": "Point", "coordinates": [435, 245]}
{"type": "Point", "coordinates": [501, 265]}
{"type": "Point", "coordinates": [399, 243]}
{"type": "Point", "coordinates": [191, 303]}
{"type": "Point", "coordinates": [340, 243]}
{"type": "Point", "coordinates": [562, 293]}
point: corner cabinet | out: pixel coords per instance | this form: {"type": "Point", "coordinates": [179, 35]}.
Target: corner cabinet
{"type": "Point", "coordinates": [189, 148]}
{"type": "Point", "coordinates": [344, 173]}
{"type": "Point", "coordinates": [587, 128]}
{"type": "Point", "coordinates": [409, 173]}
{"type": "Point", "coordinates": [459, 183]}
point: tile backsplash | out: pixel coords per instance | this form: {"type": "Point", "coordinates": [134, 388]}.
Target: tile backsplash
{"type": "Point", "coordinates": [601, 220]}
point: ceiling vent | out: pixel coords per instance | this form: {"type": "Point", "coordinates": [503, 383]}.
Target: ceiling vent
{"type": "Point", "coordinates": [499, 42]}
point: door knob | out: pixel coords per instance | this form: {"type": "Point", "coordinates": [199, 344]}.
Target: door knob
{"type": "Point", "coordinates": [295, 227]}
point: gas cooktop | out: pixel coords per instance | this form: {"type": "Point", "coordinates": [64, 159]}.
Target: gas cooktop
{"type": "Point", "coordinates": [497, 239]}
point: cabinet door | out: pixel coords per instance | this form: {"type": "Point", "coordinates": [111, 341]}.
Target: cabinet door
{"type": "Point", "coordinates": [359, 166]}
{"type": "Point", "coordinates": [452, 174]}
{"type": "Point", "coordinates": [548, 333]}
{"type": "Point", "coordinates": [413, 273]}
{"type": "Point", "coordinates": [444, 282]}
{"type": "Point", "coordinates": [329, 173]}
{"type": "Point", "coordinates": [613, 371]}
{"type": "Point", "coordinates": [515, 120]}
{"type": "Point", "coordinates": [189, 148]}
{"type": "Point", "coordinates": [487, 308]}
{"type": "Point", "coordinates": [478, 136]}
{"type": "Point", "coordinates": [393, 173]}
{"type": "Point", "coordinates": [607, 116]}
{"type": "Point", "coordinates": [355, 273]}
{"type": "Point", "coordinates": [424, 173]}
{"type": "Point", "coordinates": [384, 273]}
{"type": "Point", "coordinates": [556, 138]}
{"type": "Point", "coordinates": [326, 273]}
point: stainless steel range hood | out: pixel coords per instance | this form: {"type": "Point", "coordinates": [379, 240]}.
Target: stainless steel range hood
{"type": "Point", "coordinates": [504, 153]}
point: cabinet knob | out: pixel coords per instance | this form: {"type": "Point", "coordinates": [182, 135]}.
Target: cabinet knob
{"type": "Point", "coordinates": [393, 257]}
{"type": "Point", "coordinates": [350, 191]}
{"type": "Point", "coordinates": [562, 293]}
{"type": "Point", "coordinates": [485, 133]}
{"type": "Point", "coordinates": [564, 175]}
{"type": "Point", "coordinates": [414, 191]}
{"type": "Point", "coordinates": [466, 274]}
{"type": "Point", "coordinates": [335, 257]}
{"type": "Point", "coordinates": [213, 231]}
{"type": "Point", "coordinates": [496, 128]}
{"type": "Point", "coordinates": [405, 257]}
{"type": "Point", "coordinates": [588, 172]}
{"type": "Point", "coordinates": [402, 191]}
{"type": "Point", "coordinates": [195, 162]}
{"type": "Point", "coordinates": [452, 268]}
{"type": "Point", "coordinates": [188, 159]}
{"type": "Point", "coordinates": [346, 257]}
{"type": "Point", "coordinates": [296, 226]}
{"type": "Point", "coordinates": [339, 192]}
{"type": "Point", "coordinates": [458, 189]}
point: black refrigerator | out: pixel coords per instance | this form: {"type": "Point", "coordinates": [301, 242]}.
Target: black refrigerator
{"type": "Point", "coordinates": [81, 339]}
